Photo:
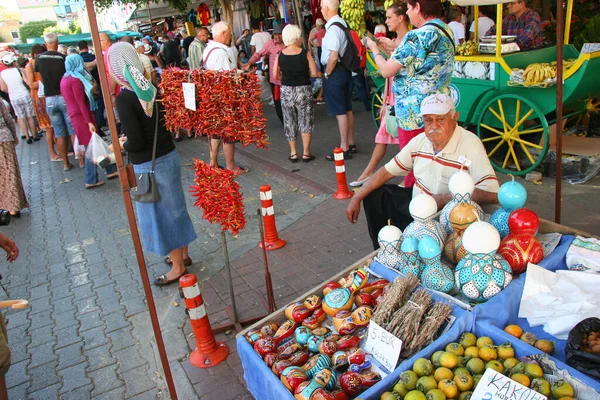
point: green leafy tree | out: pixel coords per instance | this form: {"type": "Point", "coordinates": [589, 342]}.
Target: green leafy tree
{"type": "Point", "coordinates": [7, 15]}
{"type": "Point", "coordinates": [34, 29]}
{"type": "Point", "coordinates": [58, 30]}
{"type": "Point", "coordinates": [74, 27]}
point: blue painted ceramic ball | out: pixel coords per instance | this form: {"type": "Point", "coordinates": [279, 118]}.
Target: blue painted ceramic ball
{"type": "Point", "coordinates": [429, 248]}
{"type": "Point", "coordinates": [409, 244]}
{"type": "Point", "coordinates": [512, 195]}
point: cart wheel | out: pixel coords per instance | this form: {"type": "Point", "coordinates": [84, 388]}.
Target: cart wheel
{"type": "Point", "coordinates": [515, 134]}
{"type": "Point", "coordinates": [376, 104]}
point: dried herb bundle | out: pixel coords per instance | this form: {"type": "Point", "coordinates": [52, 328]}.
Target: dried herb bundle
{"type": "Point", "coordinates": [405, 324]}
{"type": "Point", "coordinates": [435, 318]}
{"type": "Point", "coordinates": [395, 297]}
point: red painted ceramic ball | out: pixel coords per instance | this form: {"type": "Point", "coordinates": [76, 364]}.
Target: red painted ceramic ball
{"type": "Point", "coordinates": [519, 249]}
{"type": "Point", "coordinates": [351, 383]}
{"type": "Point", "coordinates": [523, 220]}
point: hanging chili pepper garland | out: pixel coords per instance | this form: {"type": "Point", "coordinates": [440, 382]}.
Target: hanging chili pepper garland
{"type": "Point", "coordinates": [218, 194]}
{"type": "Point", "coordinates": [227, 105]}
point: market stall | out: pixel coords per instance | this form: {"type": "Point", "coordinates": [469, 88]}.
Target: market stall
{"type": "Point", "coordinates": [343, 340]}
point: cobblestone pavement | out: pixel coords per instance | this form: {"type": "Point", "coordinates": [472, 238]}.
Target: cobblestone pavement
{"type": "Point", "coordinates": [87, 331]}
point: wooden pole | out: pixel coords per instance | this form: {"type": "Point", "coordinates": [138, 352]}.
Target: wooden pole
{"type": "Point", "coordinates": [560, 17]}
{"type": "Point", "coordinates": [124, 178]}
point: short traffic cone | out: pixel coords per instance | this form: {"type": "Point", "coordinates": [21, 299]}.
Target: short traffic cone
{"type": "Point", "coordinates": [342, 192]}
{"type": "Point", "coordinates": [208, 351]}
{"type": "Point", "coordinates": [272, 241]}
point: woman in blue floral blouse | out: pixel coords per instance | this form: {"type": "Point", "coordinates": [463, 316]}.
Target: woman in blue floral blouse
{"type": "Point", "coordinates": [421, 65]}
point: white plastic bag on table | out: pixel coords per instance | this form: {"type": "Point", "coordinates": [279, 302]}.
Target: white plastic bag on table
{"type": "Point", "coordinates": [78, 149]}
{"type": "Point", "coordinates": [98, 151]}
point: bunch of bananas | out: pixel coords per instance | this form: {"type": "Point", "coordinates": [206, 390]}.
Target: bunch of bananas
{"type": "Point", "coordinates": [568, 63]}
{"type": "Point", "coordinates": [388, 3]}
{"type": "Point", "coordinates": [538, 73]}
{"type": "Point", "coordinates": [468, 48]}
{"type": "Point", "coordinates": [353, 12]}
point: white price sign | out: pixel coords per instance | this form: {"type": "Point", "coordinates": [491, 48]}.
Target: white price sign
{"type": "Point", "coordinates": [384, 346]}
{"type": "Point", "coordinates": [464, 160]}
{"type": "Point", "coordinates": [495, 386]}
{"type": "Point", "coordinates": [189, 95]}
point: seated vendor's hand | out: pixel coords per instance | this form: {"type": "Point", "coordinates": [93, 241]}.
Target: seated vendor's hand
{"type": "Point", "coordinates": [353, 210]}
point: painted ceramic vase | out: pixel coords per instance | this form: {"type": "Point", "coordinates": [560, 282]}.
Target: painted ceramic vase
{"type": "Point", "coordinates": [461, 186]}
{"type": "Point", "coordinates": [461, 217]}
{"type": "Point", "coordinates": [343, 298]}
{"type": "Point", "coordinates": [389, 238]}
{"type": "Point", "coordinates": [410, 263]}
{"type": "Point", "coordinates": [511, 196]}
{"type": "Point", "coordinates": [423, 208]}
{"type": "Point", "coordinates": [436, 275]}
{"type": "Point", "coordinates": [482, 274]}
{"type": "Point", "coordinates": [521, 246]}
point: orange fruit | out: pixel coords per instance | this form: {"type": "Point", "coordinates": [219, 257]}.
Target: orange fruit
{"type": "Point", "coordinates": [506, 351]}
{"type": "Point", "coordinates": [545, 345]}
{"type": "Point", "coordinates": [484, 341]}
{"type": "Point", "coordinates": [522, 379]}
{"type": "Point", "coordinates": [488, 353]}
{"type": "Point", "coordinates": [514, 330]}
{"type": "Point", "coordinates": [472, 351]}
{"type": "Point", "coordinates": [449, 388]}
{"type": "Point", "coordinates": [442, 373]}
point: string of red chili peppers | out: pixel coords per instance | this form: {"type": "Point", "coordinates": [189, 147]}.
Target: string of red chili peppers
{"type": "Point", "coordinates": [218, 194]}
{"type": "Point", "coordinates": [227, 105]}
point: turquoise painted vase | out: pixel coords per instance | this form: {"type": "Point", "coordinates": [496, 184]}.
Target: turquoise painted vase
{"type": "Point", "coordinates": [499, 220]}
{"type": "Point", "coordinates": [480, 277]}
{"type": "Point", "coordinates": [428, 227]}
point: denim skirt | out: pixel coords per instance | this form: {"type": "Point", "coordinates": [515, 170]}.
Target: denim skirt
{"type": "Point", "coordinates": [165, 225]}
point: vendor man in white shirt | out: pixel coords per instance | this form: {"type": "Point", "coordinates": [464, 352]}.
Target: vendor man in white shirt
{"type": "Point", "coordinates": [217, 56]}
{"type": "Point", "coordinates": [434, 157]}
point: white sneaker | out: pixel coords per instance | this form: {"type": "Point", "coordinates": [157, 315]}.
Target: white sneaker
{"type": "Point", "coordinates": [271, 103]}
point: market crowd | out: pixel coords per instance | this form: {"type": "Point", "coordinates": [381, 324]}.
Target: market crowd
{"type": "Point", "coordinates": [55, 94]}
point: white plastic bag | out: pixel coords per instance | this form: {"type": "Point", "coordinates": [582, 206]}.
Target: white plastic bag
{"type": "Point", "coordinates": [78, 149]}
{"type": "Point", "coordinates": [97, 151]}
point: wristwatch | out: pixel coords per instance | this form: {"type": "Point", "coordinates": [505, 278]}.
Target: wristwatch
{"type": "Point", "coordinates": [326, 75]}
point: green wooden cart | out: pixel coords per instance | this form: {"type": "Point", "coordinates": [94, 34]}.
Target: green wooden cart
{"type": "Point", "coordinates": [513, 121]}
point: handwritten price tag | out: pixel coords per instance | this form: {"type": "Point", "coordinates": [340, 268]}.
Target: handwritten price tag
{"type": "Point", "coordinates": [189, 95]}
{"type": "Point", "coordinates": [384, 346]}
{"type": "Point", "coordinates": [465, 161]}
{"type": "Point", "coordinates": [495, 386]}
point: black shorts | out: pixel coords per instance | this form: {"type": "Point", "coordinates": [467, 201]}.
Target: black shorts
{"type": "Point", "coordinates": [337, 90]}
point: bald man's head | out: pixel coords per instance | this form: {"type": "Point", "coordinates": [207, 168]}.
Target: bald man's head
{"type": "Point", "coordinates": [105, 41]}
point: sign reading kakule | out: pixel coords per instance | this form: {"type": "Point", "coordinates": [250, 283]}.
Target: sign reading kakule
{"type": "Point", "coordinates": [495, 386]}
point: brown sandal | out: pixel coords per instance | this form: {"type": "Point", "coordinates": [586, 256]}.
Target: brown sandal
{"type": "Point", "coordinates": [162, 280]}
{"type": "Point", "coordinates": [186, 261]}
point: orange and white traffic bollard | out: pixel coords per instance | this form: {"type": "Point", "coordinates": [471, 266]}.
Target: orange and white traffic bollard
{"type": "Point", "coordinates": [342, 192]}
{"type": "Point", "coordinates": [272, 241]}
{"type": "Point", "coordinates": [208, 351]}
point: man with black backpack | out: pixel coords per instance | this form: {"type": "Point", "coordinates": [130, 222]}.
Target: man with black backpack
{"type": "Point", "coordinates": [340, 58]}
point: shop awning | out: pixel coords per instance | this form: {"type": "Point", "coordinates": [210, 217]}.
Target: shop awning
{"type": "Point", "coordinates": [71, 40]}
{"type": "Point", "coordinates": [464, 3]}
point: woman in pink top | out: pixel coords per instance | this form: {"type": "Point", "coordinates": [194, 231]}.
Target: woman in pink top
{"type": "Point", "coordinates": [76, 89]}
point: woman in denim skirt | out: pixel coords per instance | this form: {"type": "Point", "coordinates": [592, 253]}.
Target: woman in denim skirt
{"type": "Point", "coordinates": [165, 226]}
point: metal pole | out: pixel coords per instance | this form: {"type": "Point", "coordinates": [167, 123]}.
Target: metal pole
{"type": "Point", "coordinates": [268, 282]}
{"type": "Point", "coordinates": [125, 187]}
{"type": "Point", "coordinates": [228, 271]}
{"type": "Point", "coordinates": [560, 17]}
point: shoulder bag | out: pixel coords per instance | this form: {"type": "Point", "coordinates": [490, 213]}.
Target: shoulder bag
{"type": "Point", "coordinates": [391, 124]}
{"type": "Point", "coordinates": [146, 190]}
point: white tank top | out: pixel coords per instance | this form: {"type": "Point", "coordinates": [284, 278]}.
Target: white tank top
{"type": "Point", "coordinates": [14, 81]}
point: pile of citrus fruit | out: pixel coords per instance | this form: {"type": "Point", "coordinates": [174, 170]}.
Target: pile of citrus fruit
{"type": "Point", "coordinates": [542, 344]}
{"type": "Point", "coordinates": [453, 373]}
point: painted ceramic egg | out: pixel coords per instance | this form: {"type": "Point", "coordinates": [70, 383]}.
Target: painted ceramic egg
{"type": "Point", "coordinates": [519, 249]}
{"type": "Point", "coordinates": [512, 195]}
{"type": "Point", "coordinates": [269, 329]}
{"type": "Point", "coordinates": [351, 383]}
{"type": "Point", "coordinates": [481, 238]}
{"type": "Point", "coordinates": [422, 206]}
{"type": "Point", "coordinates": [326, 378]}
{"type": "Point", "coordinates": [302, 334]}
{"type": "Point", "coordinates": [292, 377]}
{"type": "Point", "coordinates": [480, 277]}
{"type": "Point", "coordinates": [499, 220]}
{"type": "Point", "coordinates": [461, 183]}
{"type": "Point", "coordinates": [523, 220]}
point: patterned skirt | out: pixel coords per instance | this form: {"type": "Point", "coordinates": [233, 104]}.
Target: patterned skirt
{"type": "Point", "coordinates": [12, 194]}
{"type": "Point", "coordinates": [39, 108]}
